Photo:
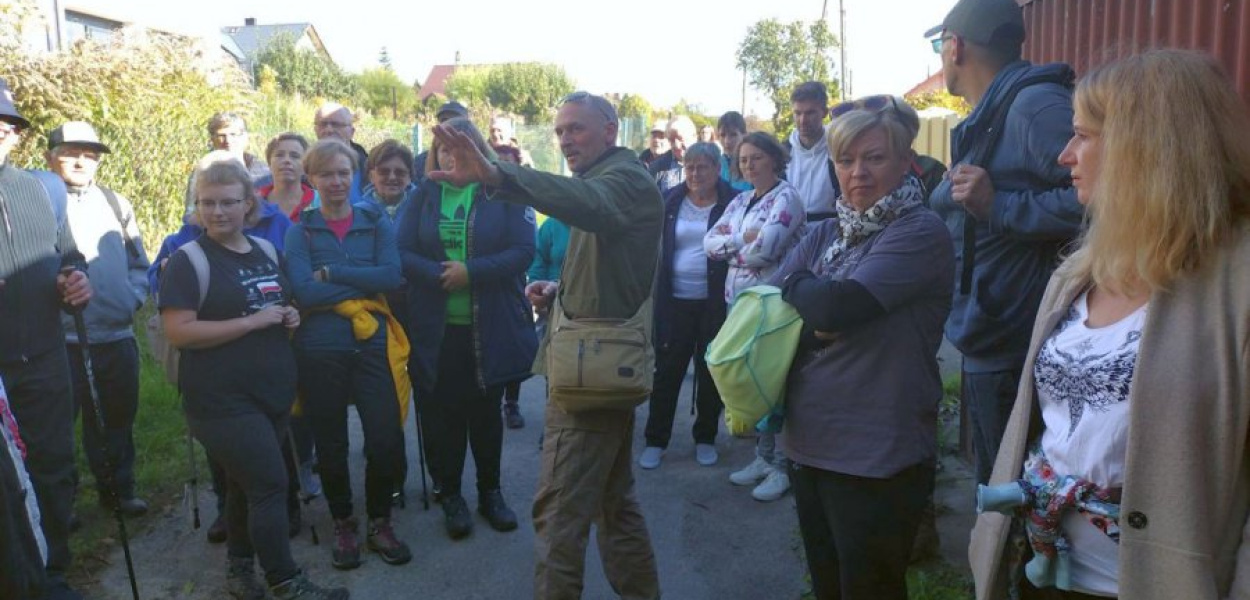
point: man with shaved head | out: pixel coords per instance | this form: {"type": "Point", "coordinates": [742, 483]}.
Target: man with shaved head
{"type": "Point", "coordinates": [333, 120]}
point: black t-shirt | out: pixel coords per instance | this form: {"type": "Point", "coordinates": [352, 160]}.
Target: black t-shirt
{"type": "Point", "coordinates": [251, 372]}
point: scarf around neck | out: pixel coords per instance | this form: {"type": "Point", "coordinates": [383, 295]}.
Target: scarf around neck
{"type": "Point", "coordinates": [857, 227]}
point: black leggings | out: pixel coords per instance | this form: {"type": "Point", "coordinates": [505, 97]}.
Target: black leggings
{"type": "Point", "coordinates": [248, 448]}
{"type": "Point", "coordinates": [858, 531]}
{"type": "Point", "coordinates": [328, 382]}
{"type": "Point", "coordinates": [458, 413]}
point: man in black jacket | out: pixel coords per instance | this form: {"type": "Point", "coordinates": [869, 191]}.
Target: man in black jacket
{"type": "Point", "coordinates": [41, 272]}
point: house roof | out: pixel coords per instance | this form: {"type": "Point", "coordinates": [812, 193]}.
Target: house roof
{"type": "Point", "coordinates": [229, 45]}
{"type": "Point", "coordinates": [251, 39]}
{"type": "Point", "coordinates": [933, 83]}
{"type": "Point", "coordinates": [436, 81]}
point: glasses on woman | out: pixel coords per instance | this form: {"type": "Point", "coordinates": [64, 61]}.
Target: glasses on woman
{"type": "Point", "coordinates": [871, 104]}
{"type": "Point", "coordinates": [211, 205]}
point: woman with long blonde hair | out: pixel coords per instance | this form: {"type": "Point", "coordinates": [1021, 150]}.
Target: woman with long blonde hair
{"type": "Point", "coordinates": [1128, 442]}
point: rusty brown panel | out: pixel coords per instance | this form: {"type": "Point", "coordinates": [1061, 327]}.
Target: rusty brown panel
{"type": "Point", "coordinates": [1086, 33]}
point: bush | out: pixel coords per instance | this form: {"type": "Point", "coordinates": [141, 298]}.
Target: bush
{"type": "Point", "coordinates": [148, 99]}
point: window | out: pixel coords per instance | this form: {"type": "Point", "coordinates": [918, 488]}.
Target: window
{"type": "Point", "coordinates": [79, 26]}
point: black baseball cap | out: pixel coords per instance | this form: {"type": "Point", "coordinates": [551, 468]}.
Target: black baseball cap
{"type": "Point", "coordinates": [995, 23]}
{"type": "Point", "coordinates": [455, 109]}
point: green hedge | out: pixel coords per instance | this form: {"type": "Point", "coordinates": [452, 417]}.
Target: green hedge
{"type": "Point", "coordinates": [150, 101]}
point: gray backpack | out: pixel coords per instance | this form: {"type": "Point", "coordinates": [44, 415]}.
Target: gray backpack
{"type": "Point", "coordinates": [164, 352]}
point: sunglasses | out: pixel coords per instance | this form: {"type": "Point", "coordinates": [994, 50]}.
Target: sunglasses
{"type": "Point", "coordinates": [592, 100]}
{"type": "Point", "coordinates": [938, 42]}
{"type": "Point", "coordinates": [871, 103]}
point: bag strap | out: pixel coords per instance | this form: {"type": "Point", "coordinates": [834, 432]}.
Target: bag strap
{"type": "Point", "coordinates": [199, 263]}
{"type": "Point", "coordinates": [267, 247]}
{"type": "Point", "coordinates": [980, 157]}
{"type": "Point", "coordinates": [122, 220]}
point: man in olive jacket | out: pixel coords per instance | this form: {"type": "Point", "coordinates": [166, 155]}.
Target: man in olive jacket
{"type": "Point", "coordinates": [615, 214]}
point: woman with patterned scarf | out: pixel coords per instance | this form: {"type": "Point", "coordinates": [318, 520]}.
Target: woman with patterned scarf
{"type": "Point", "coordinates": [874, 289]}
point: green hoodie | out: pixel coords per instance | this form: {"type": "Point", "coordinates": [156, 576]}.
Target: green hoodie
{"type": "Point", "coordinates": [615, 215]}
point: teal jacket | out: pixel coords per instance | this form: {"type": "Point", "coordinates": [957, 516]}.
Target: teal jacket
{"type": "Point", "coordinates": [552, 242]}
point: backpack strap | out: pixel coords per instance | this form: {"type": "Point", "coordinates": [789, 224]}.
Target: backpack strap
{"type": "Point", "coordinates": [122, 220]}
{"type": "Point", "coordinates": [199, 262]}
{"type": "Point", "coordinates": [267, 247]}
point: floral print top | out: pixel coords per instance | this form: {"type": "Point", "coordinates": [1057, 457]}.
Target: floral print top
{"type": "Point", "coordinates": [778, 220]}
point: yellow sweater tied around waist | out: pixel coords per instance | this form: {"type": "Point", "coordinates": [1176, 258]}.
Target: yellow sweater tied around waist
{"type": "Point", "coordinates": [361, 314]}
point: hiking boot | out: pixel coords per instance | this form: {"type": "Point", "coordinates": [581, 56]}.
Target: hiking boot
{"type": "Point", "coordinates": [512, 416]}
{"type": "Point", "coordinates": [492, 506]}
{"type": "Point", "coordinates": [705, 454]}
{"type": "Point", "coordinates": [217, 531]}
{"type": "Point", "coordinates": [300, 588]}
{"type": "Point", "coordinates": [456, 517]}
{"type": "Point", "coordinates": [752, 473]}
{"type": "Point", "coordinates": [346, 551]}
{"type": "Point", "coordinates": [241, 580]}
{"type": "Point", "coordinates": [381, 539]}
{"type": "Point", "coordinates": [650, 457]}
{"type": "Point", "coordinates": [775, 485]}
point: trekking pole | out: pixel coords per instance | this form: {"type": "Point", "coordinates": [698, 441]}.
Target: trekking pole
{"type": "Point", "coordinates": [80, 327]}
{"type": "Point", "coordinates": [299, 483]}
{"type": "Point", "coordinates": [425, 491]}
{"type": "Point", "coordinates": [194, 483]}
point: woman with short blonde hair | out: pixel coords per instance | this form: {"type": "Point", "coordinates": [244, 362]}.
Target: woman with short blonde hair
{"type": "Point", "coordinates": [1128, 441]}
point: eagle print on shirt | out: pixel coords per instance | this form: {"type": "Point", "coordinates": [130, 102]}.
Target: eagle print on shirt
{"type": "Point", "coordinates": [1083, 376]}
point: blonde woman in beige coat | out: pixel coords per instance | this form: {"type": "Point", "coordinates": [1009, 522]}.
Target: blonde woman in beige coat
{"type": "Point", "coordinates": [1137, 382]}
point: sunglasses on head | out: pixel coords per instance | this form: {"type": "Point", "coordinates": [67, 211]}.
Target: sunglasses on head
{"type": "Point", "coordinates": [588, 98]}
{"type": "Point", "coordinates": [871, 104]}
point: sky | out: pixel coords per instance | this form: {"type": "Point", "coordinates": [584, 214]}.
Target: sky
{"type": "Point", "coordinates": [665, 50]}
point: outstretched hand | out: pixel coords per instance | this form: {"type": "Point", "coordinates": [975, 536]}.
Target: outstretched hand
{"type": "Point", "coordinates": [470, 165]}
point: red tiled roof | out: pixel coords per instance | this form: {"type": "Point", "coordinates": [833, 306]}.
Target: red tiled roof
{"type": "Point", "coordinates": [436, 81]}
{"type": "Point", "coordinates": [934, 83]}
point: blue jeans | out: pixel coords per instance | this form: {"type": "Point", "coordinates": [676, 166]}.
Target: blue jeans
{"type": "Point", "coordinates": [990, 397]}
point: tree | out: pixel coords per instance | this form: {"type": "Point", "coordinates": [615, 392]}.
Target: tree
{"type": "Point", "coordinates": [384, 59]}
{"type": "Point", "coordinates": [302, 71]}
{"type": "Point", "coordinates": [530, 90]}
{"type": "Point", "coordinates": [778, 56]}
{"type": "Point", "coordinates": [382, 92]}
{"type": "Point", "coordinates": [940, 99]}
{"type": "Point", "coordinates": [634, 106]}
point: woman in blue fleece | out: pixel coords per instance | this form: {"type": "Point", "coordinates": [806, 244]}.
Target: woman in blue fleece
{"type": "Point", "coordinates": [340, 260]}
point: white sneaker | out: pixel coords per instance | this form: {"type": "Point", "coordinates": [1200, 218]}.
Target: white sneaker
{"type": "Point", "coordinates": [650, 457]}
{"type": "Point", "coordinates": [751, 474]}
{"type": "Point", "coordinates": [310, 482]}
{"type": "Point", "coordinates": [705, 454]}
{"type": "Point", "coordinates": [774, 486]}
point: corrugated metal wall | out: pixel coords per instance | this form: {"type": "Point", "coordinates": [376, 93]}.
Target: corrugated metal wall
{"type": "Point", "coordinates": [1087, 33]}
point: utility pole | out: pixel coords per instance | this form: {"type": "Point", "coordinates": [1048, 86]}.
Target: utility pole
{"type": "Point", "coordinates": [744, 92]}
{"type": "Point", "coordinates": [842, 46]}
